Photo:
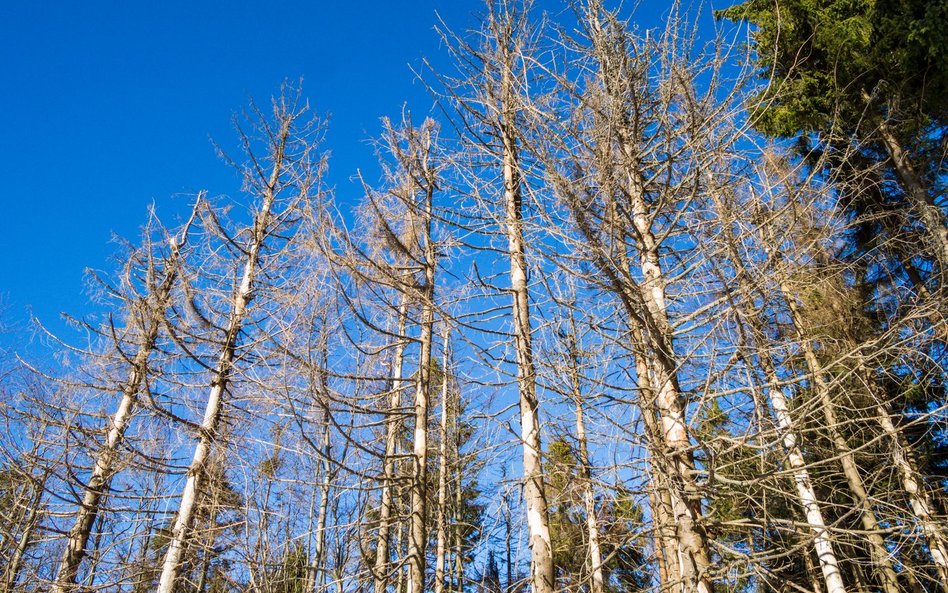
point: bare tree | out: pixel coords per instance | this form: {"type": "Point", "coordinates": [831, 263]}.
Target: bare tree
{"type": "Point", "coordinates": [286, 169]}
{"type": "Point", "coordinates": [147, 318]}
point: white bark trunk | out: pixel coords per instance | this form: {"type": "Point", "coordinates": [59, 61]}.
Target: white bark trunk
{"type": "Point", "coordinates": [533, 490]}
{"type": "Point", "coordinates": [825, 553]}
{"type": "Point", "coordinates": [882, 561]}
{"type": "Point", "coordinates": [15, 566]}
{"type": "Point", "coordinates": [392, 424]}
{"type": "Point", "coordinates": [319, 557]}
{"type": "Point", "coordinates": [597, 581]}
{"type": "Point", "coordinates": [822, 540]}
{"type": "Point", "coordinates": [418, 538]}
{"type": "Point", "coordinates": [102, 471]}
{"type": "Point", "coordinates": [441, 520]}
{"type": "Point", "coordinates": [694, 557]}
{"type": "Point", "coordinates": [914, 485]}
{"type": "Point", "coordinates": [222, 374]}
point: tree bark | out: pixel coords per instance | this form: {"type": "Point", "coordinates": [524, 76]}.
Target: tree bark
{"type": "Point", "coordinates": [15, 566]}
{"type": "Point", "coordinates": [533, 488]}
{"type": "Point", "coordinates": [441, 519]}
{"type": "Point", "coordinates": [97, 485]}
{"type": "Point", "coordinates": [597, 582]}
{"type": "Point", "coordinates": [912, 183]}
{"type": "Point", "coordinates": [914, 486]}
{"type": "Point", "coordinates": [392, 424]}
{"type": "Point", "coordinates": [822, 540]}
{"type": "Point", "coordinates": [319, 556]}
{"type": "Point", "coordinates": [645, 301]}
{"type": "Point", "coordinates": [418, 538]}
{"type": "Point", "coordinates": [222, 373]}
{"type": "Point", "coordinates": [880, 555]}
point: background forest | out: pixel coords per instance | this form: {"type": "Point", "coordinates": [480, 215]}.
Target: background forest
{"type": "Point", "coordinates": [629, 310]}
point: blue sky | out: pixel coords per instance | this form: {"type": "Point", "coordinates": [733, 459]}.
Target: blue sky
{"type": "Point", "coordinates": [107, 106]}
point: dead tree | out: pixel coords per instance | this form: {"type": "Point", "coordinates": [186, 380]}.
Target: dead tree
{"type": "Point", "coordinates": [283, 177]}
{"type": "Point", "coordinates": [148, 316]}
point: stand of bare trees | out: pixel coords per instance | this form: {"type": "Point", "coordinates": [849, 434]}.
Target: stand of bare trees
{"type": "Point", "coordinates": [591, 286]}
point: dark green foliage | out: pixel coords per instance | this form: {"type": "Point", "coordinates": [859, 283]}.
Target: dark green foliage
{"type": "Point", "coordinates": [291, 575]}
{"type": "Point", "coordinates": [823, 56]}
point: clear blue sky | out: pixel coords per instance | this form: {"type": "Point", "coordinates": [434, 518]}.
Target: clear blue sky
{"type": "Point", "coordinates": [108, 106]}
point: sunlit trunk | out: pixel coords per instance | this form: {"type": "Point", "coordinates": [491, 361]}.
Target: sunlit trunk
{"type": "Point", "coordinates": [97, 485]}
{"type": "Point", "coordinates": [210, 424]}
{"type": "Point", "coordinates": [533, 487]}
{"type": "Point", "coordinates": [441, 519]}
{"type": "Point", "coordinates": [392, 424]}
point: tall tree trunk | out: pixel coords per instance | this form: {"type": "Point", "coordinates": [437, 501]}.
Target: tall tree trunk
{"type": "Point", "coordinates": [929, 212]}
{"type": "Point", "coordinates": [645, 303]}
{"type": "Point", "coordinates": [533, 489]}
{"type": "Point", "coordinates": [913, 484]}
{"type": "Point", "coordinates": [441, 519]}
{"type": "Point", "coordinates": [694, 556]}
{"type": "Point", "coordinates": [880, 555]}
{"type": "Point", "coordinates": [508, 544]}
{"type": "Point", "coordinates": [97, 485]}
{"type": "Point", "coordinates": [319, 556]}
{"type": "Point", "coordinates": [418, 537]}
{"type": "Point", "coordinates": [222, 373]}
{"type": "Point", "coordinates": [458, 516]}
{"type": "Point", "coordinates": [392, 424]}
{"type": "Point", "coordinates": [15, 566]}
{"type": "Point", "coordinates": [585, 471]}
{"type": "Point", "coordinates": [822, 540]}
{"type": "Point", "coordinates": [659, 497]}
{"type": "Point", "coordinates": [399, 549]}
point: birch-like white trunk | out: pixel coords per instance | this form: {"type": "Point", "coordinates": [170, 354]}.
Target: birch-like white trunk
{"type": "Point", "coordinates": [694, 556]}
{"type": "Point", "coordinates": [620, 133]}
{"type": "Point", "coordinates": [418, 536]}
{"type": "Point", "coordinates": [392, 424]}
{"type": "Point", "coordinates": [458, 517]}
{"type": "Point", "coordinates": [881, 559]}
{"type": "Point", "coordinates": [913, 484]}
{"type": "Point", "coordinates": [222, 373]}
{"type": "Point", "coordinates": [533, 489]}
{"type": "Point", "coordinates": [825, 553]}
{"type": "Point", "coordinates": [97, 484]}
{"type": "Point", "coordinates": [319, 556]}
{"type": "Point", "coordinates": [597, 582]}
{"type": "Point", "coordinates": [822, 540]}
{"type": "Point", "coordinates": [15, 566]}
{"type": "Point", "coordinates": [442, 516]}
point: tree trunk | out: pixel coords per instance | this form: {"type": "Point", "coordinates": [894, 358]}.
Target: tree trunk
{"type": "Point", "coordinates": [392, 424]}
{"type": "Point", "coordinates": [585, 471]}
{"type": "Point", "coordinates": [222, 373]}
{"type": "Point", "coordinates": [822, 541]}
{"type": "Point", "coordinates": [914, 485]}
{"type": "Point", "coordinates": [12, 572]}
{"type": "Point", "coordinates": [825, 553]}
{"type": "Point", "coordinates": [533, 488]}
{"type": "Point", "coordinates": [441, 519]}
{"type": "Point", "coordinates": [694, 556]}
{"type": "Point", "coordinates": [458, 517]}
{"type": "Point", "coordinates": [319, 557]}
{"type": "Point", "coordinates": [880, 555]}
{"type": "Point", "coordinates": [912, 183]}
{"type": "Point", "coordinates": [418, 538]}
{"type": "Point", "coordinates": [102, 471]}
